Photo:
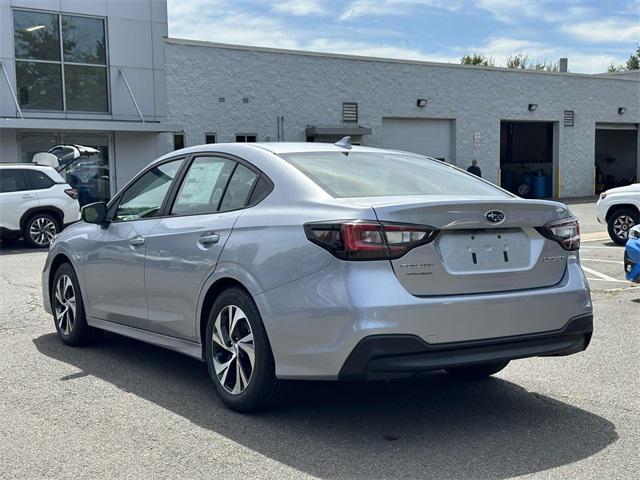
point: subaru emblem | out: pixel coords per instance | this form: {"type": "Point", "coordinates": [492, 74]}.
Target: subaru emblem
{"type": "Point", "coordinates": [494, 216]}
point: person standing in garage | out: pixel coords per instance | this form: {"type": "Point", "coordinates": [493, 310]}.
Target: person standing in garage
{"type": "Point", "coordinates": [474, 168]}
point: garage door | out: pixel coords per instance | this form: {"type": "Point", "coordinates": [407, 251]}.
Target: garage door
{"type": "Point", "coordinates": [425, 136]}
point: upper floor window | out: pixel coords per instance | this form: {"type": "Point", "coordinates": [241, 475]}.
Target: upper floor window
{"type": "Point", "coordinates": [61, 62]}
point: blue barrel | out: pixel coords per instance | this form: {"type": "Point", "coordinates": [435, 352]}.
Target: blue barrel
{"type": "Point", "coordinates": [524, 185]}
{"type": "Point", "coordinates": [540, 186]}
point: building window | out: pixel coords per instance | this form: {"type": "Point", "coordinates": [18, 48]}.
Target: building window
{"type": "Point", "coordinates": [350, 112]}
{"type": "Point", "coordinates": [209, 138]}
{"type": "Point", "coordinates": [246, 137]}
{"type": "Point", "coordinates": [178, 141]}
{"type": "Point", "coordinates": [61, 62]}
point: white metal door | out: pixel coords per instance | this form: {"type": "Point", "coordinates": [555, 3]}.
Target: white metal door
{"type": "Point", "coordinates": [426, 136]}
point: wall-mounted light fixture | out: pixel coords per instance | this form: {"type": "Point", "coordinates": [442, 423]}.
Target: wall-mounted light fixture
{"type": "Point", "coordinates": [621, 110]}
{"type": "Point", "coordinates": [532, 107]}
{"type": "Point", "coordinates": [422, 102]}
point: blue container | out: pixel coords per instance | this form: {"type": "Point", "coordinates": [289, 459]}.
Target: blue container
{"type": "Point", "coordinates": [524, 185]}
{"type": "Point", "coordinates": [540, 186]}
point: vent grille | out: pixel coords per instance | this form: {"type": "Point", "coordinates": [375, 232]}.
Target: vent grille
{"type": "Point", "coordinates": [349, 112]}
{"type": "Point", "coordinates": [568, 118]}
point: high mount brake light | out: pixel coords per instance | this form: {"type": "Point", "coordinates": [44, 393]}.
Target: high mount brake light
{"type": "Point", "coordinates": [368, 240]}
{"type": "Point", "coordinates": [566, 232]}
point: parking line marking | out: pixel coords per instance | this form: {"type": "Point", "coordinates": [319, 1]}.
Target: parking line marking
{"type": "Point", "coordinates": [601, 275]}
{"type": "Point", "coordinates": [604, 261]}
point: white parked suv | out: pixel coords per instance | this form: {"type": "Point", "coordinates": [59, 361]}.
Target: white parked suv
{"type": "Point", "coordinates": [619, 209]}
{"type": "Point", "coordinates": [35, 203]}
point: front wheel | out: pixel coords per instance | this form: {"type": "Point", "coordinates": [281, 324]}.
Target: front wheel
{"type": "Point", "coordinates": [471, 372]}
{"type": "Point", "coordinates": [68, 308]}
{"type": "Point", "coordinates": [238, 354]}
{"type": "Point", "coordinates": [620, 223]}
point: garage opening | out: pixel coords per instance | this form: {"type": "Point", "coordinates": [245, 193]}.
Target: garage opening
{"type": "Point", "coordinates": [616, 155]}
{"type": "Point", "coordinates": [527, 158]}
{"type": "Point", "coordinates": [426, 136]}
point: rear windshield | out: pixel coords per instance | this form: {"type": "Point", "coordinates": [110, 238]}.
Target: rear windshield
{"type": "Point", "coordinates": [368, 174]}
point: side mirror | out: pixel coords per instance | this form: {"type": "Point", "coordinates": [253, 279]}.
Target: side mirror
{"type": "Point", "coordinates": [94, 213]}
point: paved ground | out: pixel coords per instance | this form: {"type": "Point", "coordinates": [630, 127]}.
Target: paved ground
{"type": "Point", "coordinates": [125, 409]}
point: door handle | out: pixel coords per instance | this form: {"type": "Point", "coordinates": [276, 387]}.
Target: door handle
{"type": "Point", "coordinates": [28, 195]}
{"type": "Point", "coordinates": [208, 238]}
{"type": "Point", "coordinates": [136, 241]}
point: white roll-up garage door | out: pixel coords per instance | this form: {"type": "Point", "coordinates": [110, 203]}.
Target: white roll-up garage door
{"type": "Point", "coordinates": [426, 136]}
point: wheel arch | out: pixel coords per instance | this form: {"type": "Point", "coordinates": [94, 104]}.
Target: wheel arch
{"type": "Point", "coordinates": [51, 210]}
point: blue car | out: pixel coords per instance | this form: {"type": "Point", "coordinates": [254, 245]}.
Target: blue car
{"type": "Point", "coordinates": [632, 256]}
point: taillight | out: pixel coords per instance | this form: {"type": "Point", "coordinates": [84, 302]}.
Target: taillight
{"type": "Point", "coordinates": [368, 240]}
{"type": "Point", "coordinates": [566, 232]}
{"type": "Point", "coordinates": [72, 192]}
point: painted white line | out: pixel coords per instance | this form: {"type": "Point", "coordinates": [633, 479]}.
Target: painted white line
{"type": "Point", "coordinates": [621, 289]}
{"type": "Point", "coordinates": [603, 280]}
{"type": "Point", "coordinates": [593, 247]}
{"type": "Point", "coordinates": [602, 276]}
{"type": "Point", "coordinates": [600, 260]}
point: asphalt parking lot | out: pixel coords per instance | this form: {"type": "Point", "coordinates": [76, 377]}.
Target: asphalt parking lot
{"type": "Point", "coordinates": [122, 409]}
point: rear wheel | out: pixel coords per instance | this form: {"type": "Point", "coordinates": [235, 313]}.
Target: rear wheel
{"type": "Point", "coordinates": [238, 353]}
{"type": "Point", "coordinates": [471, 372]}
{"type": "Point", "coordinates": [620, 223]}
{"type": "Point", "coordinates": [39, 229]}
{"type": "Point", "coordinates": [68, 308]}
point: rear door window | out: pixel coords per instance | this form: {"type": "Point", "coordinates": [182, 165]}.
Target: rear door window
{"type": "Point", "coordinates": [240, 185]}
{"type": "Point", "coordinates": [203, 186]}
{"type": "Point", "coordinates": [39, 180]}
{"type": "Point", "coordinates": [13, 180]}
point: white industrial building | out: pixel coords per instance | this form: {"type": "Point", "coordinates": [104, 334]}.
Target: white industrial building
{"type": "Point", "coordinates": [134, 94]}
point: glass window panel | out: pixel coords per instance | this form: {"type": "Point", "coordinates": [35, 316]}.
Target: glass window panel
{"type": "Point", "coordinates": [39, 180]}
{"type": "Point", "coordinates": [39, 85]}
{"type": "Point", "coordinates": [37, 35]}
{"type": "Point", "coordinates": [143, 199]}
{"type": "Point", "coordinates": [12, 180]}
{"type": "Point", "coordinates": [83, 40]}
{"type": "Point", "coordinates": [86, 88]}
{"type": "Point", "coordinates": [203, 186]}
{"type": "Point", "coordinates": [238, 190]}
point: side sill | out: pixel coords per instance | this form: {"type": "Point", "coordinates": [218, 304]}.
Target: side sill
{"type": "Point", "coordinates": [185, 347]}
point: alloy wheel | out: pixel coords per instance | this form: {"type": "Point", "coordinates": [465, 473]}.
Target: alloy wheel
{"type": "Point", "coordinates": [233, 349]}
{"type": "Point", "coordinates": [42, 230]}
{"type": "Point", "coordinates": [622, 225]}
{"type": "Point", "coordinates": [65, 304]}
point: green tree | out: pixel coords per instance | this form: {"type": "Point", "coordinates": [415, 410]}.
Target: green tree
{"type": "Point", "coordinates": [547, 67]}
{"type": "Point", "coordinates": [633, 63]}
{"type": "Point", "coordinates": [520, 60]}
{"type": "Point", "coordinates": [477, 59]}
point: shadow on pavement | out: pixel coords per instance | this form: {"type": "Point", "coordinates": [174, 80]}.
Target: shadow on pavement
{"type": "Point", "coordinates": [434, 427]}
{"type": "Point", "coordinates": [15, 246]}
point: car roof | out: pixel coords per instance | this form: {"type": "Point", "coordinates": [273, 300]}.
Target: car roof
{"type": "Point", "coordinates": [31, 166]}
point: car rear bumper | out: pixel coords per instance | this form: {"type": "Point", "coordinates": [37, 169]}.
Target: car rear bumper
{"type": "Point", "coordinates": [397, 356]}
{"type": "Point", "coordinates": [632, 260]}
{"type": "Point", "coordinates": [314, 324]}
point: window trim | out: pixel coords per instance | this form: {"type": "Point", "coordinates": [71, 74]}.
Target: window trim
{"type": "Point", "coordinates": [62, 62]}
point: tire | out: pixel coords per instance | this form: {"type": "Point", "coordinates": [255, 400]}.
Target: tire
{"type": "Point", "coordinates": [242, 386]}
{"type": "Point", "coordinates": [39, 229]}
{"type": "Point", "coordinates": [70, 321]}
{"type": "Point", "coordinates": [473, 372]}
{"type": "Point", "coordinates": [619, 224]}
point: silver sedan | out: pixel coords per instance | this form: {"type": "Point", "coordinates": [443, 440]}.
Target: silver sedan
{"type": "Point", "coordinates": [285, 261]}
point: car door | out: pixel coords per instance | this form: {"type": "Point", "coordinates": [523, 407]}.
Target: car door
{"type": "Point", "coordinates": [114, 264]}
{"type": "Point", "coordinates": [16, 198]}
{"type": "Point", "coordinates": [184, 246]}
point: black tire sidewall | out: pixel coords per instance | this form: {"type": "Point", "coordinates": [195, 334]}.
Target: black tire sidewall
{"type": "Point", "coordinates": [81, 331]}
{"type": "Point", "coordinates": [617, 213]}
{"type": "Point", "coordinates": [263, 384]}
{"type": "Point", "coordinates": [27, 227]}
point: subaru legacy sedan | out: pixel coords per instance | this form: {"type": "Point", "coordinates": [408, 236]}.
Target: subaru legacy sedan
{"type": "Point", "coordinates": [313, 261]}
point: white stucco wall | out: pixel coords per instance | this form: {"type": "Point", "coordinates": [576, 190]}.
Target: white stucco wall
{"type": "Point", "coordinates": [309, 89]}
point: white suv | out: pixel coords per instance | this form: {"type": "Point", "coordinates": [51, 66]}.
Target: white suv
{"type": "Point", "coordinates": [35, 203]}
{"type": "Point", "coordinates": [619, 209]}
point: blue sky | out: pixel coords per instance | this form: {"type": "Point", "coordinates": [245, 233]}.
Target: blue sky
{"type": "Point", "coordinates": [592, 34]}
